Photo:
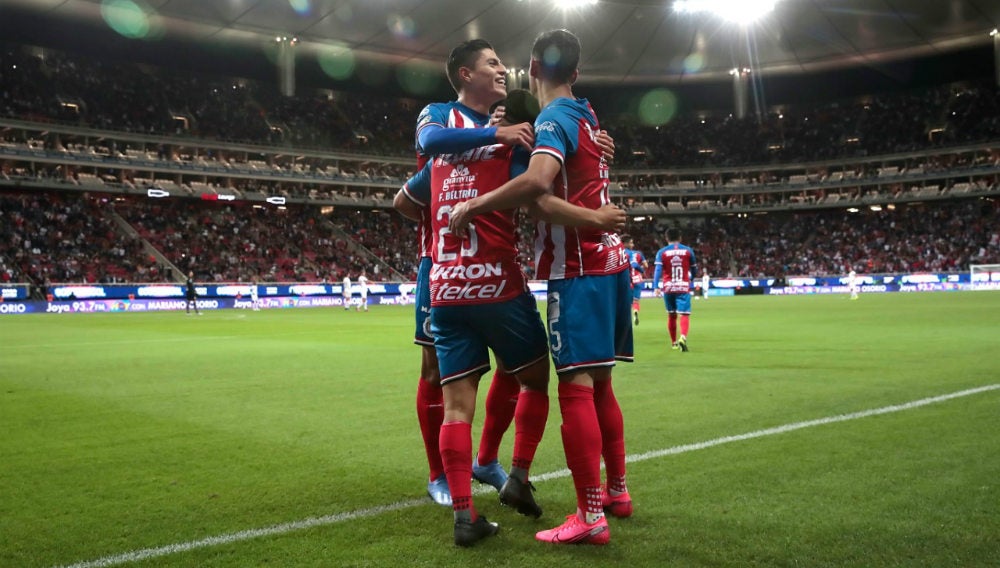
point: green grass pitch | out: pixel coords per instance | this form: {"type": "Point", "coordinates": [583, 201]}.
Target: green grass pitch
{"type": "Point", "coordinates": [128, 432]}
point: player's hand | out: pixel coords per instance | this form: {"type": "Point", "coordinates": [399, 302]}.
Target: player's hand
{"type": "Point", "coordinates": [459, 218]}
{"type": "Point", "coordinates": [611, 218]}
{"type": "Point", "coordinates": [498, 114]}
{"type": "Point", "coordinates": [517, 135]}
{"type": "Point", "coordinates": [606, 143]}
{"type": "Point", "coordinates": [657, 292]}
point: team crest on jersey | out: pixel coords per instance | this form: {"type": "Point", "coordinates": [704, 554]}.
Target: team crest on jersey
{"type": "Point", "coordinates": [425, 117]}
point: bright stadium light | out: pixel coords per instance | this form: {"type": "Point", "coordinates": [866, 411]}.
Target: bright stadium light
{"type": "Point", "coordinates": [738, 11]}
{"type": "Point", "coordinates": [568, 4]}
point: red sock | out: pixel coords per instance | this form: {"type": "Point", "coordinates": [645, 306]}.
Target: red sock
{"type": "Point", "coordinates": [685, 324]}
{"type": "Point", "coordinates": [582, 443]}
{"type": "Point", "coordinates": [529, 424]}
{"type": "Point", "coordinates": [672, 327]}
{"type": "Point", "coordinates": [635, 306]}
{"type": "Point", "coordinates": [430, 414]}
{"type": "Point", "coordinates": [609, 416]}
{"type": "Point", "coordinates": [456, 453]}
{"type": "Point", "coordinates": [500, 404]}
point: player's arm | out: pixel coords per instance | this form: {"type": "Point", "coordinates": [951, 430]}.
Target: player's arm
{"type": "Point", "coordinates": [552, 209]}
{"type": "Point", "coordinates": [434, 139]}
{"type": "Point", "coordinates": [658, 273]}
{"type": "Point", "coordinates": [414, 196]}
{"type": "Point", "coordinates": [522, 190]}
{"type": "Point", "coordinates": [405, 206]}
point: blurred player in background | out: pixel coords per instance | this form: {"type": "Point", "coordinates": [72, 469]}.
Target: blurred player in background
{"type": "Point", "coordinates": [254, 298]}
{"type": "Point", "coordinates": [705, 283]}
{"type": "Point", "coordinates": [638, 263]}
{"type": "Point", "coordinates": [363, 286]}
{"type": "Point", "coordinates": [853, 284]}
{"type": "Point", "coordinates": [676, 268]}
{"type": "Point", "coordinates": [190, 294]}
{"type": "Point", "coordinates": [346, 291]}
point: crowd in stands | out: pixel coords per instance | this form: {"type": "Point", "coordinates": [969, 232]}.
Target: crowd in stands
{"type": "Point", "coordinates": [54, 86]}
{"type": "Point", "coordinates": [47, 236]}
{"type": "Point", "coordinates": [893, 123]}
{"type": "Point", "coordinates": [240, 242]}
{"type": "Point", "coordinates": [51, 237]}
{"type": "Point", "coordinates": [122, 96]}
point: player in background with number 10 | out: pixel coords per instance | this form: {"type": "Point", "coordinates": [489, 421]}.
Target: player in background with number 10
{"type": "Point", "coordinates": [676, 268]}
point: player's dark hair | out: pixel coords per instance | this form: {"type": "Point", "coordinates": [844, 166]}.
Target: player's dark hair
{"type": "Point", "coordinates": [558, 52]}
{"type": "Point", "coordinates": [627, 239]}
{"type": "Point", "coordinates": [465, 54]}
{"type": "Point", "coordinates": [673, 234]}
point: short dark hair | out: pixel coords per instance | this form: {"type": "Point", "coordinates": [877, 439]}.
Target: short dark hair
{"type": "Point", "coordinates": [558, 52]}
{"type": "Point", "coordinates": [673, 234]}
{"type": "Point", "coordinates": [627, 239]}
{"type": "Point", "coordinates": [519, 106]}
{"type": "Point", "coordinates": [465, 54]}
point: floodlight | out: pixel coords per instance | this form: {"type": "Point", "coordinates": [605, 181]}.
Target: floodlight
{"type": "Point", "coordinates": [568, 4]}
{"type": "Point", "coordinates": [738, 11]}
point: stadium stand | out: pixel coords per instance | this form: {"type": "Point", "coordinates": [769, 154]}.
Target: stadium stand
{"type": "Point", "coordinates": [83, 141]}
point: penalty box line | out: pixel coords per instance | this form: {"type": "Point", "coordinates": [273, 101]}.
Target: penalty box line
{"type": "Point", "coordinates": [325, 520]}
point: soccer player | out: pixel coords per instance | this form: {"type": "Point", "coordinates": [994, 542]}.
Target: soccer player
{"type": "Point", "coordinates": [706, 281]}
{"type": "Point", "coordinates": [254, 298]}
{"type": "Point", "coordinates": [480, 300]}
{"type": "Point", "coordinates": [639, 265]}
{"type": "Point", "coordinates": [412, 201]}
{"type": "Point", "coordinates": [455, 127]}
{"type": "Point", "coordinates": [191, 295]}
{"type": "Point", "coordinates": [589, 295]}
{"type": "Point", "coordinates": [346, 291]}
{"type": "Point", "coordinates": [676, 268]}
{"type": "Point", "coordinates": [854, 284]}
{"type": "Point", "coordinates": [443, 128]}
{"type": "Point", "coordinates": [363, 284]}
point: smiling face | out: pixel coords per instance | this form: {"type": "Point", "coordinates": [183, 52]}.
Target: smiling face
{"type": "Point", "coordinates": [487, 77]}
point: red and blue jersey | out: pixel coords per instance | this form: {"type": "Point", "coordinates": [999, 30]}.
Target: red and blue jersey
{"type": "Point", "coordinates": [442, 115]}
{"type": "Point", "coordinates": [676, 268]}
{"type": "Point", "coordinates": [636, 260]}
{"type": "Point", "coordinates": [482, 267]}
{"type": "Point", "coordinates": [566, 130]}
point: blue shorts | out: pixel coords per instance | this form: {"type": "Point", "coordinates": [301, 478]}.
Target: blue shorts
{"type": "Point", "coordinates": [590, 321]}
{"type": "Point", "coordinates": [678, 303]}
{"type": "Point", "coordinates": [463, 336]}
{"type": "Point", "coordinates": [637, 290]}
{"type": "Point", "coordinates": [422, 335]}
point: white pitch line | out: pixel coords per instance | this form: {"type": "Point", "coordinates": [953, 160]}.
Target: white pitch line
{"type": "Point", "coordinates": [294, 526]}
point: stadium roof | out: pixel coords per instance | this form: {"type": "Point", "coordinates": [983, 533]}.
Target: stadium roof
{"type": "Point", "coordinates": [625, 41]}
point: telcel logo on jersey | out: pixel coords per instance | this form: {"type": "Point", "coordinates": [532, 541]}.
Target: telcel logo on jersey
{"type": "Point", "coordinates": [469, 291]}
{"type": "Point", "coordinates": [442, 289]}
